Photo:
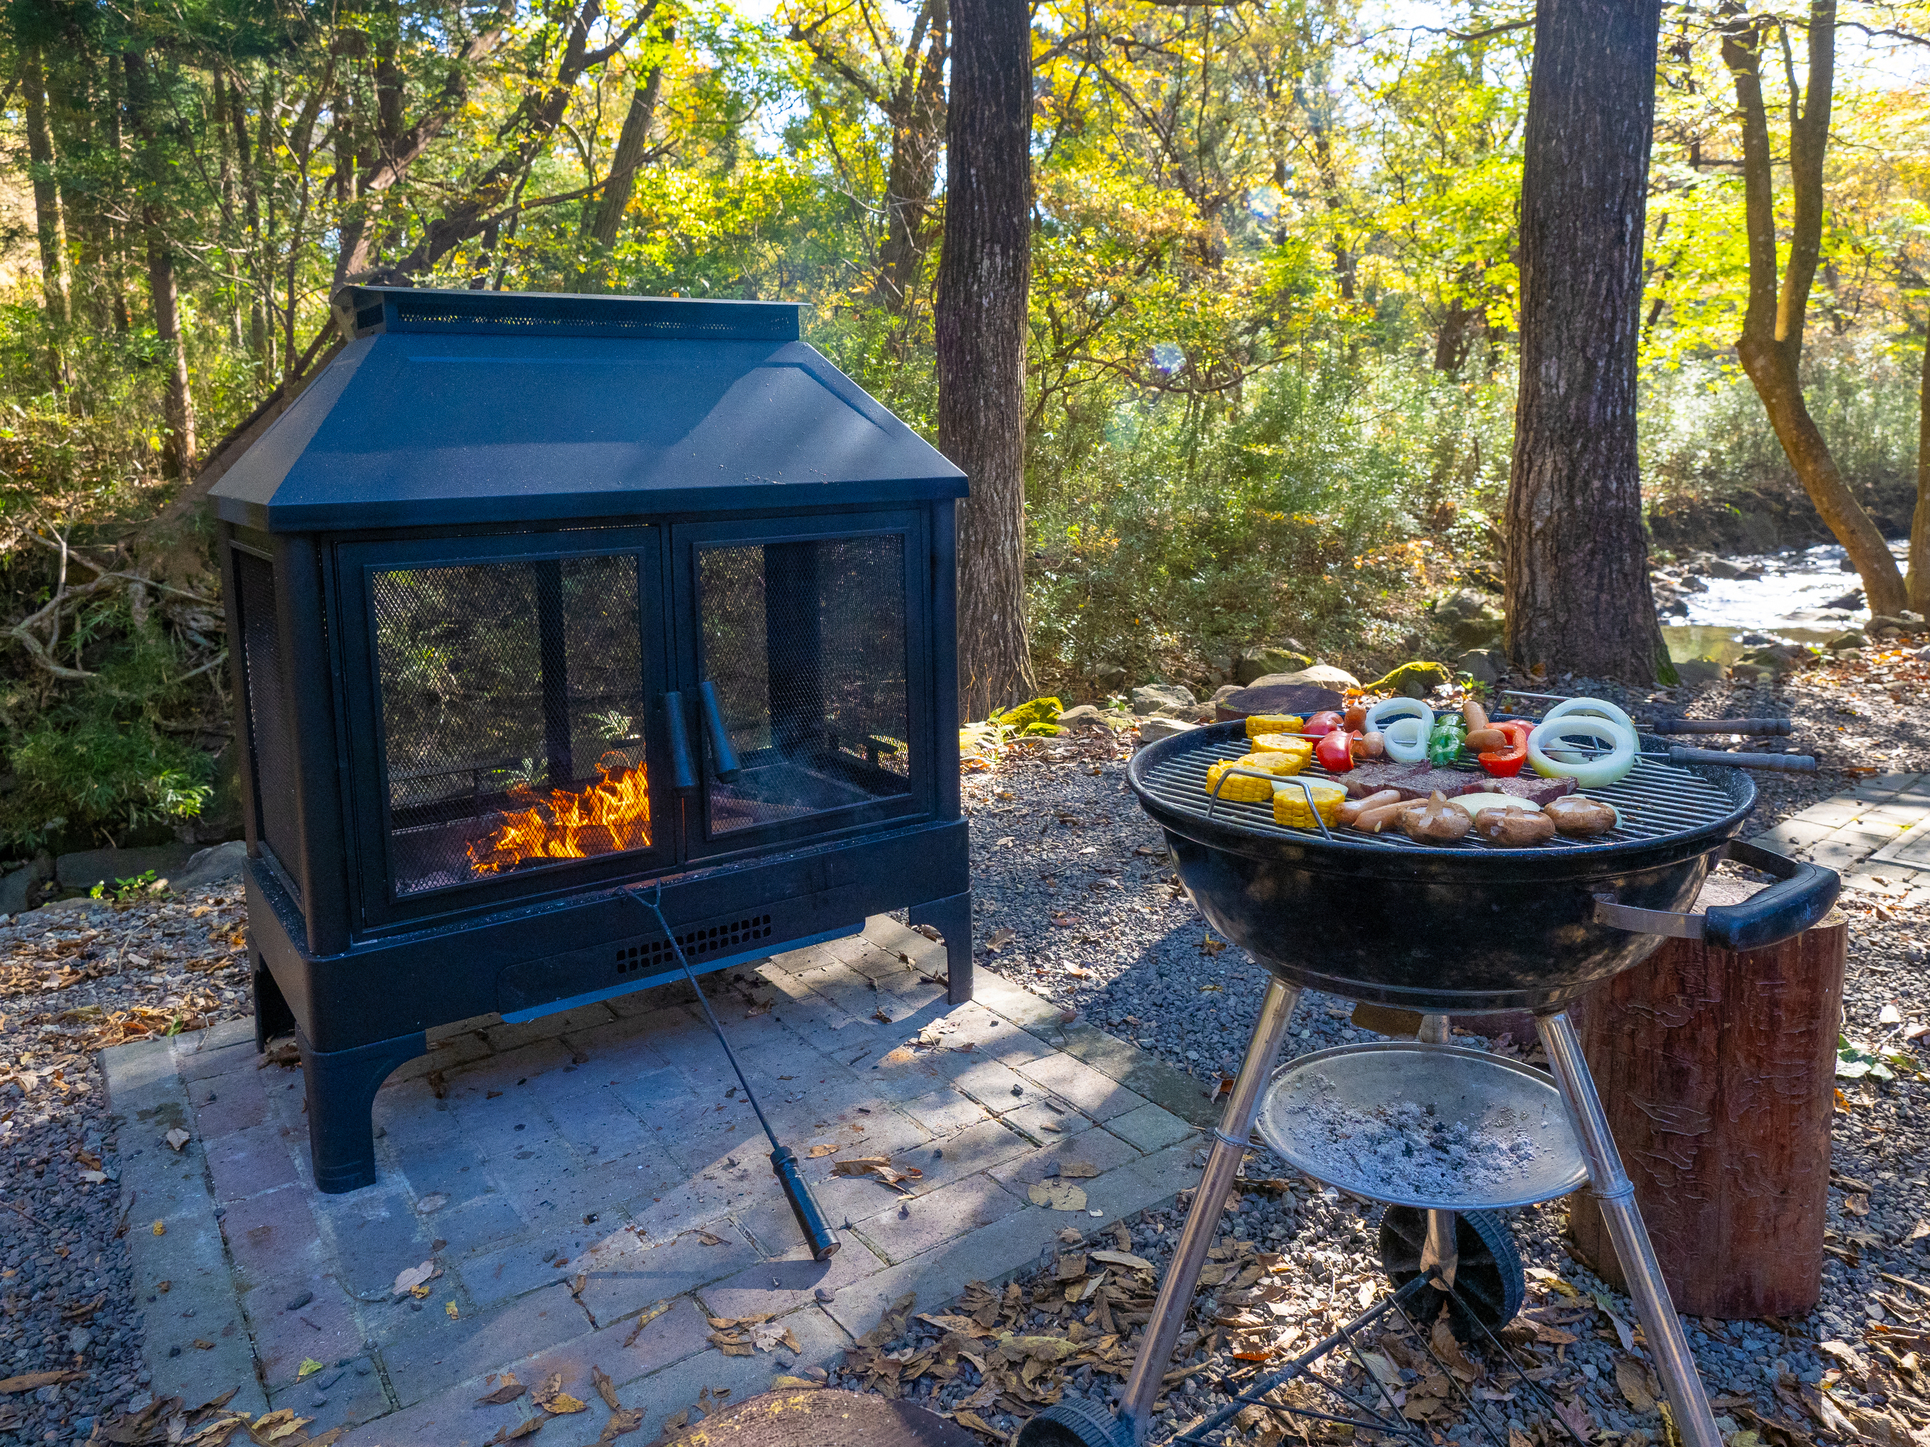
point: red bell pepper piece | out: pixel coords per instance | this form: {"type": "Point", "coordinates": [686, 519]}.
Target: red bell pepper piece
{"type": "Point", "coordinates": [1326, 721]}
{"type": "Point", "coordinates": [1335, 751]}
{"type": "Point", "coordinates": [1506, 763]}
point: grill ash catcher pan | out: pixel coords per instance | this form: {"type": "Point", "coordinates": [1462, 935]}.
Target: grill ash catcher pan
{"type": "Point", "coordinates": [1463, 928]}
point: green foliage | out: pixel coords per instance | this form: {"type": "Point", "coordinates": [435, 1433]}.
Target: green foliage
{"type": "Point", "coordinates": [96, 767]}
{"type": "Point", "coordinates": [1166, 532]}
{"type": "Point", "coordinates": [126, 891]}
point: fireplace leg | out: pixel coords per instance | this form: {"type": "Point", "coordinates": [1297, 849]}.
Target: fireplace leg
{"type": "Point", "coordinates": [952, 918]}
{"type": "Point", "coordinates": [341, 1086]}
{"type": "Point", "coordinates": [272, 1015]}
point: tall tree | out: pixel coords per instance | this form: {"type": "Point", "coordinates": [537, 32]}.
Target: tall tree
{"type": "Point", "coordinates": [146, 105]}
{"type": "Point", "coordinates": [1577, 567]}
{"type": "Point", "coordinates": [983, 278]}
{"type": "Point", "coordinates": [1771, 344]}
{"type": "Point", "coordinates": [602, 218]}
{"type": "Point", "coordinates": [47, 211]}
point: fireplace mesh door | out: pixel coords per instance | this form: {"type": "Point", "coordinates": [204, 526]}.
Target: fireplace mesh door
{"type": "Point", "coordinates": [805, 645]}
{"type": "Point", "coordinates": [512, 716]}
{"type": "Point", "coordinates": [271, 742]}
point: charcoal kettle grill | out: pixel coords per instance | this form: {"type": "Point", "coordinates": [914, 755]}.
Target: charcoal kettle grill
{"type": "Point", "coordinates": [1462, 928]}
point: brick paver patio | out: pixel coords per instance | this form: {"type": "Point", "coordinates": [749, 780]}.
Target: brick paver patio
{"type": "Point", "coordinates": [592, 1187]}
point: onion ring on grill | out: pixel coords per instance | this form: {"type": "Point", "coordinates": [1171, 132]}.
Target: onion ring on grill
{"type": "Point", "coordinates": [1405, 741]}
{"type": "Point", "coordinates": [1589, 708]}
{"type": "Point", "coordinates": [1591, 773]}
{"type": "Point", "coordinates": [1403, 723]}
{"type": "Point", "coordinates": [1392, 708]}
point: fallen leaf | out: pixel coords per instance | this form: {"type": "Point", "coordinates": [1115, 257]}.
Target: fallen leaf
{"type": "Point", "coordinates": [1575, 1417]}
{"type": "Point", "coordinates": [899, 1056]}
{"type": "Point", "coordinates": [1079, 972]}
{"type": "Point", "coordinates": [605, 1388]}
{"type": "Point", "coordinates": [710, 1240]}
{"type": "Point", "coordinates": [1634, 1383]}
{"type": "Point", "coordinates": [1383, 1368]}
{"type": "Point", "coordinates": [33, 1380]}
{"type": "Point", "coordinates": [1856, 1204]}
{"type": "Point", "coordinates": [507, 1391]}
{"type": "Point", "coordinates": [553, 1399]}
{"type": "Point", "coordinates": [409, 1278]}
{"type": "Point", "coordinates": [1920, 1230]}
{"type": "Point", "coordinates": [880, 1015]}
{"type": "Point", "coordinates": [1001, 937]}
{"type": "Point", "coordinates": [160, 1228]}
{"type": "Point", "coordinates": [649, 1315]}
{"type": "Point", "coordinates": [308, 1368]}
{"type": "Point", "coordinates": [1057, 1196]}
{"type": "Point", "coordinates": [202, 1344]}
{"type": "Point", "coordinates": [1623, 1331]}
{"type": "Point", "coordinates": [823, 1150]}
{"type": "Point", "coordinates": [1123, 1258]}
{"type": "Point", "coordinates": [1450, 1353]}
{"type": "Point", "coordinates": [432, 1202]}
{"type": "Point", "coordinates": [449, 1310]}
{"type": "Point", "coordinates": [1079, 1170]}
{"type": "Point", "coordinates": [177, 1138]}
{"type": "Point", "coordinates": [529, 1427]}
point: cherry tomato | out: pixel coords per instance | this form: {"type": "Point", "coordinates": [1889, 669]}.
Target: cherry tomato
{"type": "Point", "coordinates": [1323, 722]}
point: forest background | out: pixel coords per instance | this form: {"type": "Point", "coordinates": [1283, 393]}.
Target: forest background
{"type": "Point", "coordinates": [1271, 361]}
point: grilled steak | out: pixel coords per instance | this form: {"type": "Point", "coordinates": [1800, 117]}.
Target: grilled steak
{"type": "Point", "coordinates": [1532, 787]}
{"type": "Point", "coordinates": [1417, 781]}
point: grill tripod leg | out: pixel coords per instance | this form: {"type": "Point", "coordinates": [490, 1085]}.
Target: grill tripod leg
{"type": "Point", "coordinates": [1229, 1147]}
{"type": "Point", "coordinates": [1615, 1194]}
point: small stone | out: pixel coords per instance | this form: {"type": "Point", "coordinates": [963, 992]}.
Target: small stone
{"type": "Point", "coordinates": [1018, 1090]}
{"type": "Point", "coordinates": [825, 1294]}
{"type": "Point", "coordinates": [1151, 730]}
{"type": "Point", "coordinates": [1149, 698]}
{"type": "Point", "coordinates": [300, 1301]}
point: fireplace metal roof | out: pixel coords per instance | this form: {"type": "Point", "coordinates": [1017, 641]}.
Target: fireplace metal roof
{"type": "Point", "coordinates": [459, 407]}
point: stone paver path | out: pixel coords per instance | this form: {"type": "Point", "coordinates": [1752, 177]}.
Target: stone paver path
{"type": "Point", "coordinates": [592, 1188]}
{"type": "Point", "coordinates": [1877, 836]}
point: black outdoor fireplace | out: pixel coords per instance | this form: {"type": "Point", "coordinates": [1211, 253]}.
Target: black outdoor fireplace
{"type": "Point", "coordinates": [539, 597]}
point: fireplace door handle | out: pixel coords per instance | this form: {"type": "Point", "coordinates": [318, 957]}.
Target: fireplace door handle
{"type": "Point", "coordinates": [683, 778]}
{"type": "Point", "coordinates": [723, 756]}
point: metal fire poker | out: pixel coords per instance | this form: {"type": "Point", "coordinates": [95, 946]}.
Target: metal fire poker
{"type": "Point", "coordinates": [811, 1220]}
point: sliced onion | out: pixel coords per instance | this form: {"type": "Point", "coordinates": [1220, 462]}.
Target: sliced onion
{"type": "Point", "coordinates": [1592, 773]}
{"type": "Point", "coordinates": [1406, 740]}
{"type": "Point", "coordinates": [1475, 803]}
{"type": "Point", "coordinates": [1392, 708]}
{"type": "Point", "coordinates": [1589, 708]}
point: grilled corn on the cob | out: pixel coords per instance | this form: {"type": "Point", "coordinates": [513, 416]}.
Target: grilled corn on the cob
{"type": "Point", "coordinates": [1244, 787]}
{"type": "Point", "coordinates": [1300, 749]}
{"type": "Point", "coordinates": [1273, 723]}
{"type": "Point", "coordinates": [1290, 804]}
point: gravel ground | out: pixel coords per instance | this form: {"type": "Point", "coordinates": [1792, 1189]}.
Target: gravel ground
{"type": "Point", "coordinates": [1075, 901]}
{"type": "Point", "coordinates": [73, 980]}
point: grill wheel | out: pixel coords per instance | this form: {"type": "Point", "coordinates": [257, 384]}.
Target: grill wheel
{"type": "Point", "coordinates": [1489, 1285]}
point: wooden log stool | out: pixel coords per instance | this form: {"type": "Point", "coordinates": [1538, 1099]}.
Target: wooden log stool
{"type": "Point", "coordinates": [1717, 1071]}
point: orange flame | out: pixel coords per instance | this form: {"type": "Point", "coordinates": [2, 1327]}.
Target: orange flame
{"type": "Point", "coordinates": [606, 817]}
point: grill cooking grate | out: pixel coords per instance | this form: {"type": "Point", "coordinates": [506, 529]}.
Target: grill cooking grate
{"type": "Point", "coordinates": [1657, 801]}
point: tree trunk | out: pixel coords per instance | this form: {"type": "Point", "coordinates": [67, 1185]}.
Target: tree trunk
{"type": "Point", "coordinates": [1718, 1074]}
{"type": "Point", "coordinates": [177, 452]}
{"type": "Point", "coordinates": [47, 215]}
{"type": "Point", "coordinates": [1578, 592]}
{"type": "Point", "coordinates": [1920, 519]}
{"type": "Point", "coordinates": [631, 144]}
{"type": "Point", "coordinates": [983, 277]}
{"type": "Point", "coordinates": [916, 129]}
{"type": "Point", "coordinates": [1771, 344]}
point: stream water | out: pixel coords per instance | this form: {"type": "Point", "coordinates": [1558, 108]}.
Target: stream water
{"type": "Point", "coordinates": [1790, 598]}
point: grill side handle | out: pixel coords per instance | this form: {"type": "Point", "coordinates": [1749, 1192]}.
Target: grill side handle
{"type": "Point", "coordinates": [1801, 896]}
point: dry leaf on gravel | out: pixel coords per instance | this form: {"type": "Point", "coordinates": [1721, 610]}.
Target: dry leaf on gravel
{"type": "Point", "coordinates": [1001, 937]}
{"type": "Point", "coordinates": [35, 1380]}
{"type": "Point", "coordinates": [1056, 1196]}
{"type": "Point", "coordinates": [1634, 1383]}
{"type": "Point", "coordinates": [553, 1399]}
{"type": "Point", "coordinates": [1450, 1353]}
{"type": "Point", "coordinates": [508, 1390]}
{"type": "Point", "coordinates": [1123, 1258]}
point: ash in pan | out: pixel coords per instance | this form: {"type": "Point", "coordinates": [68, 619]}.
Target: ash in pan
{"type": "Point", "coordinates": [1404, 1149]}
